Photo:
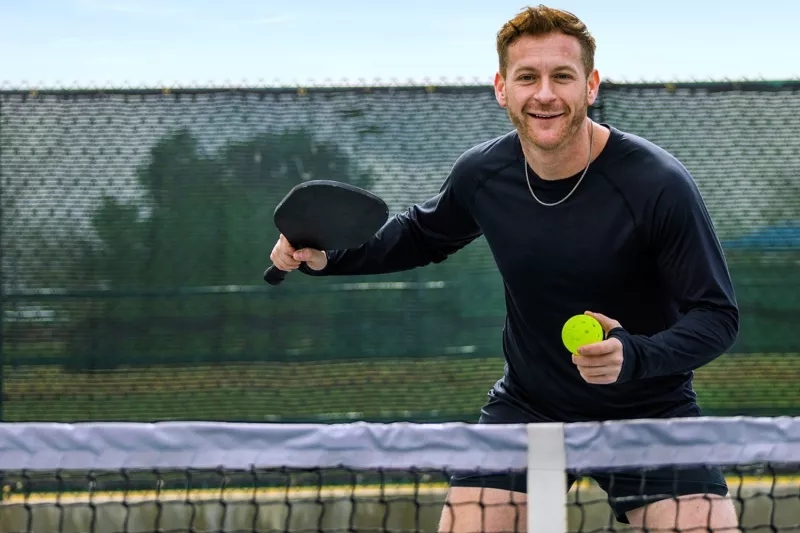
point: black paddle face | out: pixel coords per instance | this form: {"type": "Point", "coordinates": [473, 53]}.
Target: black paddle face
{"type": "Point", "coordinates": [327, 215]}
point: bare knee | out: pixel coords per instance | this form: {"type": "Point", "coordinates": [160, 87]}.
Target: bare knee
{"type": "Point", "coordinates": [480, 510]}
{"type": "Point", "coordinates": [690, 513]}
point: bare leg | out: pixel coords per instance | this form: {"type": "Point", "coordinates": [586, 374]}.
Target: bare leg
{"type": "Point", "coordinates": [477, 510]}
{"type": "Point", "coordinates": [695, 513]}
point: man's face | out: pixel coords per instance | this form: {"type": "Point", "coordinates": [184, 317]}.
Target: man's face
{"type": "Point", "coordinates": [545, 89]}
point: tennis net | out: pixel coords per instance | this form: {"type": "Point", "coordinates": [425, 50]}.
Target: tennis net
{"type": "Point", "coordinates": [224, 477]}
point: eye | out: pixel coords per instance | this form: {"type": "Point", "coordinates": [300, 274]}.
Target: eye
{"type": "Point", "coordinates": [525, 77]}
{"type": "Point", "coordinates": [564, 76]}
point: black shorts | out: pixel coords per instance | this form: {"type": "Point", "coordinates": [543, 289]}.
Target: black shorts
{"type": "Point", "coordinates": [626, 490]}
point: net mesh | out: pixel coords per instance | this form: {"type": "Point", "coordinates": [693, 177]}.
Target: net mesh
{"type": "Point", "coordinates": [136, 226]}
{"type": "Point", "coordinates": [282, 500]}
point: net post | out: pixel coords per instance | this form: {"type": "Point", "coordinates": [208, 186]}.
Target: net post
{"type": "Point", "coordinates": [547, 484]}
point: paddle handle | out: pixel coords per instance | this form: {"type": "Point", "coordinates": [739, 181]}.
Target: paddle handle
{"type": "Point", "coordinates": [274, 275]}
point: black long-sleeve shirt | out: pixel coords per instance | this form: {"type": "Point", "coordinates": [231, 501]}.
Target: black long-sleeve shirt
{"type": "Point", "coordinates": [634, 242]}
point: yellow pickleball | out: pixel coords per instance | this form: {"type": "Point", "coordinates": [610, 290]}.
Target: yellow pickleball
{"type": "Point", "coordinates": [581, 330]}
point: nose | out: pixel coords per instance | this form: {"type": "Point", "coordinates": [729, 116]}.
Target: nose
{"type": "Point", "coordinates": [545, 93]}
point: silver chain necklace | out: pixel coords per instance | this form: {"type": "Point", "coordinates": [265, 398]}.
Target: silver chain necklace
{"type": "Point", "coordinates": [528, 181]}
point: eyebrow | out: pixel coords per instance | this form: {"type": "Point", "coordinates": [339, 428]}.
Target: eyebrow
{"type": "Point", "coordinates": [556, 68]}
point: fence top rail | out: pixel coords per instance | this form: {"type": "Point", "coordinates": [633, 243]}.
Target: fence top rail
{"type": "Point", "coordinates": [430, 86]}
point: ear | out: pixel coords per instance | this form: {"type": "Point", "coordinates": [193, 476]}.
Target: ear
{"type": "Point", "coordinates": [593, 86]}
{"type": "Point", "coordinates": [500, 89]}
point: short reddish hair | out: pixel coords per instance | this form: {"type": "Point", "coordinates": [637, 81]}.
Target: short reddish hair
{"type": "Point", "coordinates": [542, 20]}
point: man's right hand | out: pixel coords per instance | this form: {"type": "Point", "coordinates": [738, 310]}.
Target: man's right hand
{"type": "Point", "coordinates": [286, 258]}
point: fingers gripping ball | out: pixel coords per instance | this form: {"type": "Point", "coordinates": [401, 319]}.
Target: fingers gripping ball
{"type": "Point", "coordinates": [581, 330]}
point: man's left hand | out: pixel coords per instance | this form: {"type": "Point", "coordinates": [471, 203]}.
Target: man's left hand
{"type": "Point", "coordinates": [600, 363]}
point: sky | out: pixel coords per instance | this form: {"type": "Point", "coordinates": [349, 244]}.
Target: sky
{"type": "Point", "coordinates": [193, 43]}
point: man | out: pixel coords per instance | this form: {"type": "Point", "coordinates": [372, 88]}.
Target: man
{"type": "Point", "coordinates": [580, 217]}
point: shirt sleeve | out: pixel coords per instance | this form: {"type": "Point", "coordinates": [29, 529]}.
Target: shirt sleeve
{"type": "Point", "coordinates": [425, 233]}
{"type": "Point", "coordinates": [692, 267]}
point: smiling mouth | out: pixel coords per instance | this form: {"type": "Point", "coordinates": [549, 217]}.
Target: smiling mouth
{"type": "Point", "coordinates": [545, 116]}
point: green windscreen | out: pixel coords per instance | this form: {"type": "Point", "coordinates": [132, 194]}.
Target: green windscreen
{"type": "Point", "coordinates": [136, 226]}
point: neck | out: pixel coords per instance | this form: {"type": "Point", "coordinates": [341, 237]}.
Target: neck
{"type": "Point", "coordinates": [568, 160]}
